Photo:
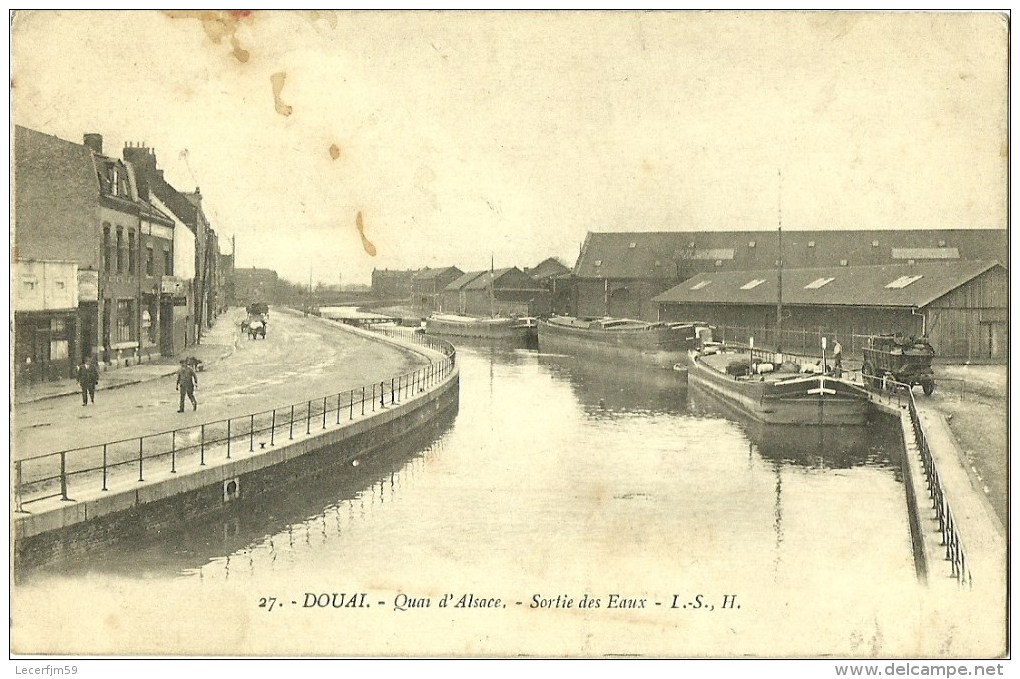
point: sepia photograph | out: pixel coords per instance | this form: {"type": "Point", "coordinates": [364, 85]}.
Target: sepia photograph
{"type": "Point", "coordinates": [510, 334]}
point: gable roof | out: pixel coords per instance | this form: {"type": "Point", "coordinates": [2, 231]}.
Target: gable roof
{"type": "Point", "coordinates": [678, 254]}
{"type": "Point", "coordinates": [428, 274]}
{"type": "Point", "coordinates": [895, 285]}
{"type": "Point", "coordinates": [548, 268]}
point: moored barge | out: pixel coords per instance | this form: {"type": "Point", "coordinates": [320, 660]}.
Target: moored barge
{"type": "Point", "coordinates": [661, 344]}
{"type": "Point", "coordinates": [780, 397]}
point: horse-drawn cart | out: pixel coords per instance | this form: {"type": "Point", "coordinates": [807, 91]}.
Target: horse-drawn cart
{"type": "Point", "coordinates": [257, 321]}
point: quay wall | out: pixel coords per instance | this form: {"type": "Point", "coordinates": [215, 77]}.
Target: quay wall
{"type": "Point", "coordinates": [71, 530]}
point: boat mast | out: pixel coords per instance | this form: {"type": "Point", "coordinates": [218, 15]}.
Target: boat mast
{"type": "Point", "coordinates": [779, 264]}
{"type": "Point", "coordinates": [492, 276]}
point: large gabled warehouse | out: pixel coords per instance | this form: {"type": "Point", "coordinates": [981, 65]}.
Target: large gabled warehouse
{"type": "Point", "coordinates": [961, 306]}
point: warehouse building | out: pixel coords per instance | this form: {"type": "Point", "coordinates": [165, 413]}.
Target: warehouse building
{"type": "Point", "coordinates": [962, 307]}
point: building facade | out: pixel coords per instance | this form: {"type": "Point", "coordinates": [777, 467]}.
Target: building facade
{"type": "Point", "coordinates": [618, 274]}
{"type": "Point", "coordinates": [502, 292]}
{"type": "Point", "coordinates": [427, 288]}
{"type": "Point", "coordinates": [962, 307]}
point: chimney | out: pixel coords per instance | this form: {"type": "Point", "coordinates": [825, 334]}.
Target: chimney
{"type": "Point", "coordinates": [95, 142]}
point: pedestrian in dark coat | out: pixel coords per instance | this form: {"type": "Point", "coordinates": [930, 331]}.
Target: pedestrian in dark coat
{"type": "Point", "coordinates": [187, 381]}
{"type": "Point", "coordinates": [88, 378]}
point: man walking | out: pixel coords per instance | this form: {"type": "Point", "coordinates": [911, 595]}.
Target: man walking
{"type": "Point", "coordinates": [187, 381]}
{"type": "Point", "coordinates": [88, 378]}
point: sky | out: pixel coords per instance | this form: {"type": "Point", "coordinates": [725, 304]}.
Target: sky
{"type": "Point", "coordinates": [465, 138]}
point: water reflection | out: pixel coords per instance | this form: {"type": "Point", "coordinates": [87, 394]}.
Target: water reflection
{"type": "Point", "coordinates": [605, 388]}
{"type": "Point", "coordinates": [282, 522]}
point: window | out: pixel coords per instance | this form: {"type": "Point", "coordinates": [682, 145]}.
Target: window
{"type": "Point", "coordinates": [57, 325]}
{"type": "Point", "coordinates": [751, 244]}
{"type": "Point", "coordinates": [903, 281]}
{"type": "Point", "coordinates": [131, 250]}
{"type": "Point", "coordinates": [874, 243]}
{"type": "Point", "coordinates": [60, 285]}
{"type": "Point", "coordinates": [633, 245]}
{"type": "Point", "coordinates": [107, 248]}
{"type": "Point", "coordinates": [598, 262]}
{"type": "Point", "coordinates": [125, 313]}
{"type": "Point", "coordinates": [29, 285]}
{"type": "Point", "coordinates": [843, 262]}
{"type": "Point", "coordinates": [815, 284]}
{"type": "Point", "coordinates": [168, 263]}
{"type": "Point", "coordinates": [718, 262]}
{"type": "Point", "coordinates": [150, 261]}
{"type": "Point", "coordinates": [700, 284]}
{"type": "Point", "coordinates": [752, 283]}
{"type": "Point", "coordinates": [810, 243]}
{"type": "Point", "coordinates": [120, 250]}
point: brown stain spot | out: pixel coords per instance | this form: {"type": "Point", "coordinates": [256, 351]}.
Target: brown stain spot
{"type": "Point", "coordinates": [365, 243]}
{"type": "Point", "coordinates": [111, 622]}
{"type": "Point", "coordinates": [1004, 150]}
{"type": "Point", "coordinates": [278, 79]}
{"type": "Point", "coordinates": [334, 152]}
{"type": "Point", "coordinates": [219, 24]}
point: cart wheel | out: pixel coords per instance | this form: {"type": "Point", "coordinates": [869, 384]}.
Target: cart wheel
{"type": "Point", "coordinates": [929, 387]}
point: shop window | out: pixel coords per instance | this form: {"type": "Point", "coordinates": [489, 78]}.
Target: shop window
{"type": "Point", "coordinates": [150, 261]}
{"type": "Point", "coordinates": [125, 314]}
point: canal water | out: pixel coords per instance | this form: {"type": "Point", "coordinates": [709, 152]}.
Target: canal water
{"type": "Point", "coordinates": [561, 479]}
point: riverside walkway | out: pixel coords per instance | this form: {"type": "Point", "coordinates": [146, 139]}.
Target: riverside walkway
{"type": "Point", "coordinates": [139, 448]}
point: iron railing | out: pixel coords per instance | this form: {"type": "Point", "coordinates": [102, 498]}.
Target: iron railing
{"type": "Point", "coordinates": [888, 389]}
{"type": "Point", "coordinates": [94, 467]}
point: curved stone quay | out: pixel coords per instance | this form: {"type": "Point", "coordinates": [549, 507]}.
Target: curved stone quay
{"type": "Point", "coordinates": [74, 500]}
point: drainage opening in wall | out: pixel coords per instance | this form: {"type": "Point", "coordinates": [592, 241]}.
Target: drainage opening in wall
{"type": "Point", "coordinates": [231, 489]}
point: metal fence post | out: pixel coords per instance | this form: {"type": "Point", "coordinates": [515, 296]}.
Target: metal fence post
{"type": "Point", "coordinates": [17, 485]}
{"type": "Point", "coordinates": [291, 435]}
{"type": "Point", "coordinates": [382, 395]}
{"type": "Point", "coordinates": [373, 397]}
{"type": "Point", "coordinates": [272, 432]}
{"type": "Point", "coordinates": [338, 408]}
{"type": "Point", "coordinates": [228, 438]}
{"type": "Point", "coordinates": [140, 456]}
{"type": "Point", "coordinates": [201, 450]}
{"type": "Point", "coordinates": [104, 466]}
{"type": "Point", "coordinates": [63, 476]}
{"type": "Point", "coordinates": [323, 412]}
{"type": "Point", "coordinates": [251, 434]}
{"type": "Point", "coordinates": [308, 418]}
{"type": "Point", "coordinates": [363, 400]}
{"type": "Point", "coordinates": [352, 404]}
{"type": "Point", "coordinates": [173, 453]}
{"type": "Point", "coordinates": [391, 392]}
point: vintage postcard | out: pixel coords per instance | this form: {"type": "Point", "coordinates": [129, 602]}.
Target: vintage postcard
{"type": "Point", "coordinates": [574, 334]}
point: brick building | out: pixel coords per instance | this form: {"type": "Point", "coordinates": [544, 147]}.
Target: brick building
{"type": "Point", "coordinates": [427, 287]}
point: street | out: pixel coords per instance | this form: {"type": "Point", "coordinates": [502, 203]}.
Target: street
{"type": "Point", "coordinates": [300, 358]}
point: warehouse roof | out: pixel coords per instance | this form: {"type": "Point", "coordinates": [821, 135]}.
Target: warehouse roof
{"type": "Point", "coordinates": [677, 254]}
{"type": "Point", "coordinates": [895, 285]}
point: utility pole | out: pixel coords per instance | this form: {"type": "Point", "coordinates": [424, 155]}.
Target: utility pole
{"type": "Point", "coordinates": [779, 304]}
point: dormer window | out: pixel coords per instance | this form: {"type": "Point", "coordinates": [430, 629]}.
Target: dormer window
{"type": "Point", "coordinates": [598, 262]}
{"type": "Point", "coordinates": [810, 243]}
{"type": "Point", "coordinates": [632, 245]}
{"type": "Point", "coordinates": [752, 283]}
{"type": "Point", "coordinates": [874, 243]}
{"type": "Point", "coordinates": [942, 243]}
{"type": "Point", "coordinates": [114, 181]}
{"type": "Point", "coordinates": [699, 285]}
{"type": "Point", "coordinates": [751, 244]}
{"type": "Point", "coordinates": [718, 262]}
{"type": "Point", "coordinates": [843, 262]}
